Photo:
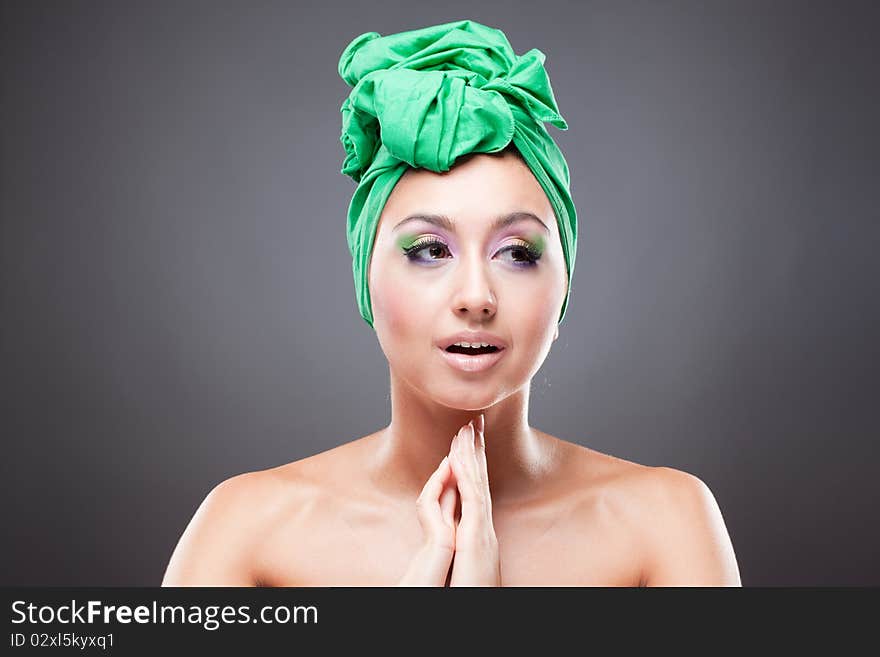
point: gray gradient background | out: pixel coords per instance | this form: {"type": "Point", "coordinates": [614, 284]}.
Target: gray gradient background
{"type": "Point", "coordinates": [177, 299]}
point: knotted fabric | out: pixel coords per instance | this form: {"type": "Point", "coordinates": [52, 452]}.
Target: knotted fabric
{"type": "Point", "coordinates": [424, 98]}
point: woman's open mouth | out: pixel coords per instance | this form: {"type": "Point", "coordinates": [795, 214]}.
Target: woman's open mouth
{"type": "Point", "coordinates": [472, 359]}
{"type": "Point", "coordinates": [471, 351]}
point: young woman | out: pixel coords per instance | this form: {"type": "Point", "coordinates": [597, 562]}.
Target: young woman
{"type": "Point", "coordinates": [463, 236]}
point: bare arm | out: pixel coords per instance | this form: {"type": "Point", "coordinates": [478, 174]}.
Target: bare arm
{"type": "Point", "coordinates": [688, 540]}
{"type": "Point", "coordinates": [214, 549]}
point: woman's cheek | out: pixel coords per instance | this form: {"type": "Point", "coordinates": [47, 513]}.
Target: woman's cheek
{"type": "Point", "coordinates": [397, 305]}
{"type": "Point", "coordinates": [539, 295]}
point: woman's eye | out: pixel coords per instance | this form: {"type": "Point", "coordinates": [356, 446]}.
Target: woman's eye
{"type": "Point", "coordinates": [433, 250]}
{"type": "Point", "coordinates": [522, 254]}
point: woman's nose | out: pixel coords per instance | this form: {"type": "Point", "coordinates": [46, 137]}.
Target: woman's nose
{"type": "Point", "coordinates": [474, 294]}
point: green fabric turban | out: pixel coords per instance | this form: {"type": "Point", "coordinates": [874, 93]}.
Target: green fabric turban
{"type": "Point", "coordinates": [425, 97]}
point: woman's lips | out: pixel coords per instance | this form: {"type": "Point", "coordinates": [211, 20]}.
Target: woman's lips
{"type": "Point", "coordinates": [475, 363]}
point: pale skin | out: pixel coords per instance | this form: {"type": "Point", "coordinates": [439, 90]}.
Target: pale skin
{"type": "Point", "coordinates": [459, 489]}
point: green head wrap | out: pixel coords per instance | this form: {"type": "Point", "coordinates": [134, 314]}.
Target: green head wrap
{"type": "Point", "coordinates": [425, 97]}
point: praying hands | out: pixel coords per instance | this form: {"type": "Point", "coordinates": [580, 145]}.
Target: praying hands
{"type": "Point", "coordinates": [466, 541]}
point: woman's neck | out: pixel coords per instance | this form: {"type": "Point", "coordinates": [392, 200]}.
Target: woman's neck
{"type": "Point", "coordinates": [411, 447]}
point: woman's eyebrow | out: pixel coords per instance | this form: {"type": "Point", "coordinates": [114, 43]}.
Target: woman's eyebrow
{"type": "Point", "coordinates": [445, 222]}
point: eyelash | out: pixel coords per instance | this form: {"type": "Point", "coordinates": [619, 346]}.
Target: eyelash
{"type": "Point", "coordinates": [532, 256]}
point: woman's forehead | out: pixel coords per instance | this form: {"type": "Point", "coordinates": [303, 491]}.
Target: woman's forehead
{"type": "Point", "coordinates": [473, 192]}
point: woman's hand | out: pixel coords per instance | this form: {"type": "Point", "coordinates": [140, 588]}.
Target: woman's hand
{"type": "Point", "coordinates": [477, 559]}
{"type": "Point", "coordinates": [436, 511]}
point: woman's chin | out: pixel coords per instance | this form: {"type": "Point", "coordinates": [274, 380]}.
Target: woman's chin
{"type": "Point", "coordinates": [467, 402]}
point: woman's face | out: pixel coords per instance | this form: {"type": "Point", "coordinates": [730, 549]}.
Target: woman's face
{"type": "Point", "coordinates": [475, 249]}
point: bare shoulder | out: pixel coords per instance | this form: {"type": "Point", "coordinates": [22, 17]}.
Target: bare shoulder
{"type": "Point", "coordinates": [214, 546]}
{"type": "Point", "coordinates": [680, 526]}
{"type": "Point", "coordinates": [685, 534]}
{"type": "Point", "coordinates": [672, 515]}
{"type": "Point", "coordinates": [223, 542]}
